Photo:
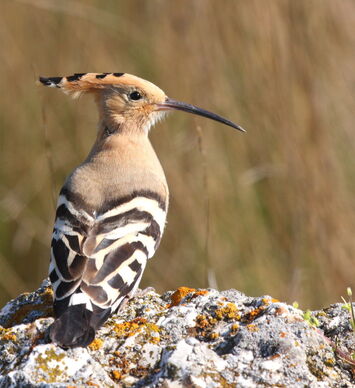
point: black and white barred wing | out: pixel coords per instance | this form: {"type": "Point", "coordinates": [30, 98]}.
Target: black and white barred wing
{"type": "Point", "coordinates": [67, 263]}
{"type": "Point", "coordinates": [97, 260]}
{"type": "Point", "coordinates": [118, 247]}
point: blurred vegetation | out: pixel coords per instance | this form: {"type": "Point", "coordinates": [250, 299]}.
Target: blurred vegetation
{"type": "Point", "coordinates": [267, 212]}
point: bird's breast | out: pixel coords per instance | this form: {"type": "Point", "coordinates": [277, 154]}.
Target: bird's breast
{"type": "Point", "coordinates": [118, 173]}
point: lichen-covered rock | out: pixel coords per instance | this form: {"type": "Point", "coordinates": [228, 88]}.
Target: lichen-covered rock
{"type": "Point", "coordinates": [189, 338]}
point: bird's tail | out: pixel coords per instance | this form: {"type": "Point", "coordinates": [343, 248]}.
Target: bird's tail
{"type": "Point", "coordinates": [76, 327]}
{"type": "Point", "coordinates": [72, 329]}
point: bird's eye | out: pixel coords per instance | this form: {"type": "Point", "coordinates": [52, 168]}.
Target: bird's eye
{"type": "Point", "coordinates": [135, 96]}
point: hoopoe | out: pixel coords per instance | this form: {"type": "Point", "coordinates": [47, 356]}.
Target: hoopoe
{"type": "Point", "coordinates": [112, 208]}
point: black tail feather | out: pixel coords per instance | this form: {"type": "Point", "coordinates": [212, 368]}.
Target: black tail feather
{"type": "Point", "coordinates": [73, 329]}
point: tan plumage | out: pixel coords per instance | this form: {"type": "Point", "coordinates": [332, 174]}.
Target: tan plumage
{"type": "Point", "coordinates": [112, 208]}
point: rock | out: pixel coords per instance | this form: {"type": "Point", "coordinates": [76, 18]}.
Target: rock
{"type": "Point", "coordinates": [189, 338]}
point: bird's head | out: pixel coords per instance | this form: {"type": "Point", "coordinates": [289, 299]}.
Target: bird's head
{"type": "Point", "coordinates": [126, 103]}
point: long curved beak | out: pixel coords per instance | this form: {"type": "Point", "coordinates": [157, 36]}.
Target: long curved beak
{"type": "Point", "coordinates": [171, 104]}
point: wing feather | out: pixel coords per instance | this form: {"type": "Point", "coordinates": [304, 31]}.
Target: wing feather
{"type": "Point", "coordinates": [97, 259]}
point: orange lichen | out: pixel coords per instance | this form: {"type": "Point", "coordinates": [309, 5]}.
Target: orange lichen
{"type": "Point", "coordinates": [122, 365]}
{"type": "Point", "coordinates": [200, 292]}
{"type": "Point", "coordinates": [252, 315]}
{"type": "Point", "coordinates": [139, 371]}
{"type": "Point", "coordinates": [92, 384]}
{"type": "Point", "coordinates": [96, 344]}
{"type": "Point", "coordinates": [116, 375]}
{"type": "Point", "coordinates": [267, 301]}
{"type": "Point", "coordinates": [181, 292]}
{"type": "Point", "coordinates": [8, 337]}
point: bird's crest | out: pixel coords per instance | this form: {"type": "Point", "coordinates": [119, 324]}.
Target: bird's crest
{"type": "Point", "coordinates": [90, 82]}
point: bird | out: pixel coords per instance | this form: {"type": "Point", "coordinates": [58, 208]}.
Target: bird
{"type": "Point", "coordinates": [111, 211]}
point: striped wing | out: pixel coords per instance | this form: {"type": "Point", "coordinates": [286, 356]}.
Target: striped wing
{"type": "Point", "coordinates": [99, 258]}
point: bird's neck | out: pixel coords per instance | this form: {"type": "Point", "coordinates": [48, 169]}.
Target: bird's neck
{"type": "Point", "coordinates": [126, 163]}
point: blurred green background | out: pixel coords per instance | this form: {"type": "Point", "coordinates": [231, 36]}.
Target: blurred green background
{"type": "Point", "coordinates": [267, 212]}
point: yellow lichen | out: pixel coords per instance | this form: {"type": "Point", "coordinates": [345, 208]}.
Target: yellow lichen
{"type": "Point", "coordinates": [130, 328]}
{"type": "Point", "coordinates": [252, 328]}
{"type": "Point", "coordinates": [47, 295]}
{"type": "Point", "coordinates": [42, 362]}
{"type": "Point", "coordinates": [329, 362]}
{"type": "Point", "coordinates": [127, 329]}
{"type": "Point", "coordinates": [96, 344]}
{"type": "Point", "coordinates": [205, 324]}
{"type": "Point", "coordinates": [213, 336]}
{"type": "Point", "coordinates": [234, 328]}
{"type": "Point", "coordinates": [229, 311]}
{"type": "Point", "coordinates": [202, 321]}
{"type": "Point", "coordinates": [152, 332]}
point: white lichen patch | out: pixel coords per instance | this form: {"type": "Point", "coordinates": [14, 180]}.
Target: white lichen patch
{"type": "Point", "coordinates": [150, 355]}
{"type": "Point", "coordinates": [334, 323]}
{"type": "Point", "coordinates": [271, 365]}
{"type": "Point", "coordinates": [195, 360]}
{"type": "Point", "coordinates": [187, 314]}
